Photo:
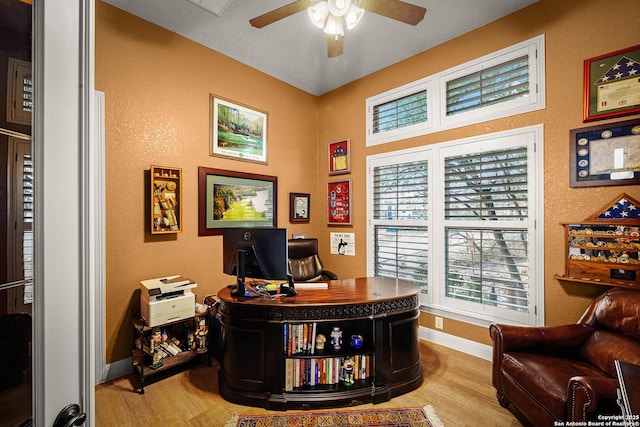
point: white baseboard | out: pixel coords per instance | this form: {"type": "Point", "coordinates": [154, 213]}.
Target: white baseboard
{"type": "Point", "coordinates": [460, 344]}
{"type": "Point", "coordinates": [117, 369]}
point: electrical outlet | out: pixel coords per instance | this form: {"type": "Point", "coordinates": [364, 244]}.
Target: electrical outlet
{"type": "Point", "coordinates": [439, 322]}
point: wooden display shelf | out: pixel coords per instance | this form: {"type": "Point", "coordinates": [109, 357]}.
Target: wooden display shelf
{"type": "Point", "coordinates": [141, 357]}
{"type": "Point", "coordinates": [166, 200]}
{"type": "Point", "coordinates": [604, 249]}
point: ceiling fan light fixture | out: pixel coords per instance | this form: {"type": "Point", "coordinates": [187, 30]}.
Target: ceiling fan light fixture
{"type": "Point", "coordinates": [318, 13]}
{"type": "Point", "coordinates": [339, 8]}
{"type": "Point", "coordinates": [334, 25]}
{"type": "Point", "coordinates": [353, 16]}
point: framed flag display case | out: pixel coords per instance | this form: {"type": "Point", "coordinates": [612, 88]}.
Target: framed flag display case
{"type": "Point", "coordinates": [339, 157]}
{"type": "Point", "coordinates": [612, 85]}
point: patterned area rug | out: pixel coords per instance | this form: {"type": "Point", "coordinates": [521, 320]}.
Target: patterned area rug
{"type": "Point", "coordinates": [392, 417]}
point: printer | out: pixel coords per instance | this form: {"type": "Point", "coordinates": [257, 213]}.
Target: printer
{"type": "Point", "coordinates": [167, 299]}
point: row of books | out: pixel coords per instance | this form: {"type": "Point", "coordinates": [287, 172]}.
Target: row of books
{"type": "Point", "coordinates": [311, 372]}
{"type": "Point", "coordinates": [299, 338]}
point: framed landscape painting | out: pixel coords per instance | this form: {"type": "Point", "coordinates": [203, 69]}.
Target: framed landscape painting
{"type": "Point", "coordinates": [230, 199]}
{"type": "Point", "coordinates": [237, 131]}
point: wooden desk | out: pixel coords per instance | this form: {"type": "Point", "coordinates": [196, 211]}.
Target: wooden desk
{"type": "Point", "coordinates": [255, 363]}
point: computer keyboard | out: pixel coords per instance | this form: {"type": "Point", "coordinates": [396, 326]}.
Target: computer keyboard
{"type": "Point", "coordinates": [310, 285]}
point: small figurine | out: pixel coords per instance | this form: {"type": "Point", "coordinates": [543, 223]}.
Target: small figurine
{"type": "Point", "coordinates": [336, 339]}
{"type": "Point", "coordinates": [347, 372]}
{"type": "Point", "coordinates": [357, 341]}
{"type": "Point", "coordinates": [192, 341]}
{"type": "Point", "coordinates": [320, 340]}
{"type": "Point", "coordinates": [154, 346]}
{"type": "Point", "coordinates": [201, 336]}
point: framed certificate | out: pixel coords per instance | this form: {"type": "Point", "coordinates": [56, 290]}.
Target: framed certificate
{"type": "Point", "coordinates": [606, 155]}
{"type": "Point", "coordinates": [612, 85]}
{"type": "Point", "coordinates": [299, 207]}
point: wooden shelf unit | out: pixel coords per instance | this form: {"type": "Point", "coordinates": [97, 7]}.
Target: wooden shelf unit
{"type": "Point", "coordinates": [604, 249]}
{"type": "Point", "coordinates": [142, 359]}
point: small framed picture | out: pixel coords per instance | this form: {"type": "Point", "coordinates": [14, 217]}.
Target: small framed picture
{"type": "Point", "coordinates": [299, 207]}
{"type": "Point", "coordinates": [339, 202]}
{"type": "Point", "coordinates": [339, 157]}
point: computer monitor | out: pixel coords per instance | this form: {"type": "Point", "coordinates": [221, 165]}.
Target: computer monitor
{"type": "Point", "coordinates": [258, 253]}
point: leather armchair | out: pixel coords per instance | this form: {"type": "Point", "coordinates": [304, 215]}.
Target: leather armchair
{"type": "Point", "coordinates": [567, 372]}
{"type": "Point", "coordinates": [304, 262]}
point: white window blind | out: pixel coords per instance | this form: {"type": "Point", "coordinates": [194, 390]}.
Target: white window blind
{"type": "Point", "coordinates": [401, 112]}
{"type": "Point", "coordinates": [500, 83]}
{"type": "Point", "coordinates": [503, 83]}
{"type": "Point", "coordinates": [400, 212]}
{"type": "Point", "coordinates": [490, 186]}
{"type": "Point", "coordinates": [20, 92]}
{"type": "Point", "coordinates": [487, 263]}
{"type": "Point", "coordinates": [459, 218]}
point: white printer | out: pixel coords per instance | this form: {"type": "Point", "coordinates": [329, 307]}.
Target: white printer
{"type": "Point", "coordinates": [167, 299]}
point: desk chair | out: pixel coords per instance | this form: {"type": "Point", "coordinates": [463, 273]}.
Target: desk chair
{"type": "Point", "coordinates": [304, 262]}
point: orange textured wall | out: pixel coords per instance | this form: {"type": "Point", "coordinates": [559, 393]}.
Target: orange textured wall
{"type": "Point", "coordinates": [157, 87]}
{"type": "Point", "coordinates": [574, 31]}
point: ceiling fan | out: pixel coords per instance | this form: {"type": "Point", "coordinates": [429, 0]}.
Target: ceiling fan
{"type": "Point", "coordinates": [332, 15]}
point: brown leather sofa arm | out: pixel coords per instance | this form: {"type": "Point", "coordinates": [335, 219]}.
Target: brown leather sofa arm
{"type": "Point", "coordinates": [562, 340]}
{"type": "Point", "coordinates": [584, 395]}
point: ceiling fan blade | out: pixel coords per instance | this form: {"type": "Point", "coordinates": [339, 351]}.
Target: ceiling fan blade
{"type": "Point", "coordinates": [334, 45]}
{"type": "Point", "coordinates": [280, 13]}
{"type": "Point", "coordinates": [395, 9]}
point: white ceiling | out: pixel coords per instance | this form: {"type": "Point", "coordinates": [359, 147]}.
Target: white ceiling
{"type": "Point", "coordinates": [295, 51]}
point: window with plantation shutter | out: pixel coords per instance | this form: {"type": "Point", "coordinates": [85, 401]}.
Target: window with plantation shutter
{"type": "Point", "coordinates": [487, 265]}
{"type": "Point", "coordinates": [500, 83]}
{"type": "Point", "coordinates": [398, 113]}
{"type": "Point", "coordinates": [504, 83]}
{"type": "Point", "coordinates": [399, 193]}
{"type": "Point", "coordinates": [19, 92]}
{"type": "Point", "coordinates": [459, 219]}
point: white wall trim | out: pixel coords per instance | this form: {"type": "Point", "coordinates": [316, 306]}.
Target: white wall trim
{"type": "Point", "coordinates": [117, 369]}
{"type": "Point", "coordinates": [460, 344]}
{"type": "Point", "coordinates": [97, 206]}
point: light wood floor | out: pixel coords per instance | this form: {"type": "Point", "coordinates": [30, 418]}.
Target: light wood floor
{"type": "Point", "coordinates": [457, 385]}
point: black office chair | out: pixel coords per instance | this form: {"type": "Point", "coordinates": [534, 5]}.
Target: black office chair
{"type": "Point", "coordinates": [304, 262]}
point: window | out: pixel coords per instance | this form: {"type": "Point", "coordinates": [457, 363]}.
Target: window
{"type": "Point", "coordinates": [400, 213]}
{"type": "Point", "coordinates": [20, 88]}
{"type": "Point", "coordinates": [401, 113]}
{"type": "Point", "coordinates": [501, 84]}
{"type": "Point", "coordinates": [459, 219]}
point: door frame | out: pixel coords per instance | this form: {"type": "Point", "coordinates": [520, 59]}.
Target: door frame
{"type": "Point", "coordinates": [67, 248]}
